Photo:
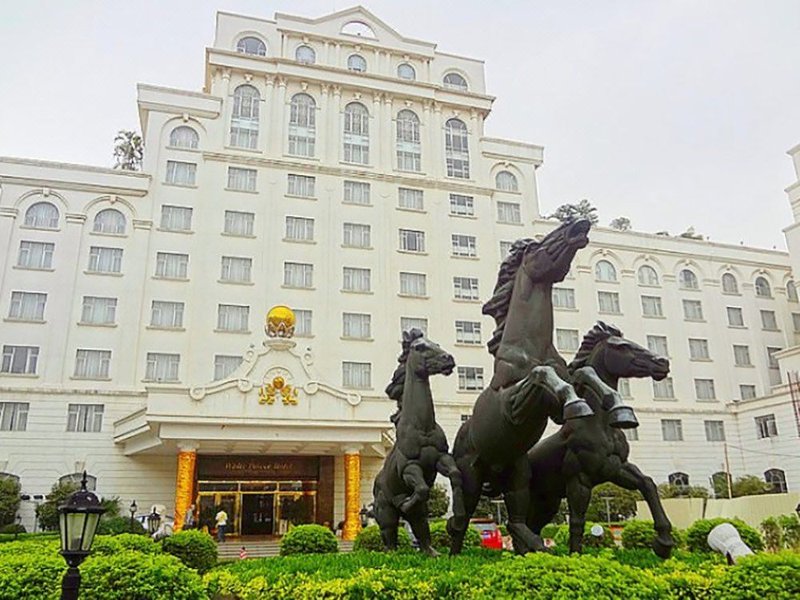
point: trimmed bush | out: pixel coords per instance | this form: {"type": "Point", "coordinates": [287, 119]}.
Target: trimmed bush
{"type": "Point", "coordinates": [119, 525]}
{"type": "Point", "coordinates": [773, 576]}
{"type": "Point", "coordinates": [697, 534]}
{"type": "Point", "coordinates": [9, 500]}
{"type": "Point", "coordinates": [309, 539]}
{"type": "Point", "coordinates": [194, 548]}
{"type": "Point", "coordinates": [773, 534]}
{"type": "Point", "coordinates": [790, 525]}
{"type": "Point", "coordinates": [108, 544]}
{"type": "Point", "coordinates": [29, 573]}
{"type": "Point", "coordinates": [13, 528]}
{"type": "Point", "coordinates": [550, 530]}
{"type": "Point", "coordinates": [369, 539]}
{"type": "Point", "coordinates": [561, 537]}
{"type": "Point", "coordinates": [440, 539]}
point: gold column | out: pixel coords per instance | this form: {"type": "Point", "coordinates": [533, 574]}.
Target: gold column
{"type": "Point", "coordinates": [184, 483]}
{"type": "Point", "coordinates": [352, 494]}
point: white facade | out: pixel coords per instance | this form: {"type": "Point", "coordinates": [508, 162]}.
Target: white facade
{"type": "Point", "coordinates": [363, 199]}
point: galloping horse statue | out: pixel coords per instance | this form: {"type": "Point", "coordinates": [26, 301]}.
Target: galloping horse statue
{"type": "Point", "coordinates": [529, 383]}
{"type": "Point", "coordinates": [420, 449]}
{"type": "Point", "coordinates": [588, 452]}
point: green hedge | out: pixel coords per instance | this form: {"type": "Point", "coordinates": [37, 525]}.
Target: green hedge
{"type": "Point", "coordinates": [194, 548]}
{"type": "Point", "coordinates": [118, 525]}
{"type": "Point", "coordinates": [561, 536]}
{"type": "Point", "coordinates": [697, 534]}
{"type": "Point", "coordinates": [440, 539]}
{"type": "Point", "coordinates": [309, 539]}
{"type": "Point", "coordinates": [109, 545]}
{"type": "Point", "coordinates": [369, 539]}
{"type": "Point", "coordinates": [761, 577]}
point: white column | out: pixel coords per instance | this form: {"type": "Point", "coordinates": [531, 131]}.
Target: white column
{"type": "Point", "coordinates": [389, 136]}
{"type": "Point", "coordinates": [334, 127]}
{"type": "Point", "coordinates": [376, 140]}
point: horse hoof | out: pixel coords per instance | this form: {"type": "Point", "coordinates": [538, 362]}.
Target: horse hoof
{"type": "Point", "coordinates": [622, 417]}
{"type": "Point", "coordinates": [577, 409]}
{"type": "Point", "coordinates": [663, 547]}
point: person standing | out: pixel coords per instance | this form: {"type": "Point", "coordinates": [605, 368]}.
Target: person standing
{"type": "Point", "coordinates": [222, 523]}
{"type": "Point", "coordinates": [188, 519]}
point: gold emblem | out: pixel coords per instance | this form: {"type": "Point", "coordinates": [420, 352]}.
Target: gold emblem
{"type": "Point", "coordinates": [277, 389]}
{"type": "Point", "coordinates": [280, 322]}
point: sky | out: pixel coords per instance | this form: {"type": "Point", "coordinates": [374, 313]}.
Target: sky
{"type": "Point", "coordinates": [674, 113]}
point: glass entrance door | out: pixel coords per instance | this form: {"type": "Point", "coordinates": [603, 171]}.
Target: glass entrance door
{"type": "Point", "coordinates": [211, 504]}
{"type": "Point", "coordinates": [258, 512]}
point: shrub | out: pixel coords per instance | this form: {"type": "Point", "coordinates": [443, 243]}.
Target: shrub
{"type": "Point", "coordinates": [119, 525]}
{"type": "Point", "coordinates": [773, 534]}
{"type": "Point", "coordinates": [638, 534]}
{"type": "Point", "coordinates": [194, 548]}
{"type": "Point", "coordinates": [790, 525]}
{"type": "Point", "coordinates": [9, 500]}
{"type": "Point", "coordinates": [561, 537]}
{"type": "Point", "coordinates": [47, 511]}
{"type": "Point", "coordinates": [440, 539]}
{"type": "Point", "coordinates": [369, 539]}
{"type": "Point", "coordinates": [438, 501]}
{"type": "Point", "coordinates": [13, 528]}
{"type": "Point", "coordinates": [30, 573]}
{"type": "Point", "coordinates": [550, 530]}
{"type": "Point", "coordinates": [309, 539]}
{"type": "Point", "coordinates": [773, 576]}
{"type": "Point", "coordinates": [108, 545]}
{"type": "Point", "coordinates": [697, 534]}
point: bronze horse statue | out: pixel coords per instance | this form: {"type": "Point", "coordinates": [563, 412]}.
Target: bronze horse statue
{"type": "Point", "coordinates": [420, 450]}
{"type": "Point", "coordinates": [588, 452]}
{"type": "Point", "coordinates": [529, 383]}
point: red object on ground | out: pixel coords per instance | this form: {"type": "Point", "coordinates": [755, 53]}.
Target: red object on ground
{"type": "Point", "coordinates": [243, 553]}
{"type": "Point", "coordinates": [490, 533]}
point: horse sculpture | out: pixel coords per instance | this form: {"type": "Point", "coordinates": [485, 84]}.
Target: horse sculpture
{"type": "Point", "coordinates": [529, 383]}
{"type": "Point", "coordinates": [587, 452]}
{"type": "Point", "coordinates": [420, 450]}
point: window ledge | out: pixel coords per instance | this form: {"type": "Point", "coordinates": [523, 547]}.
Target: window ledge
{"type": "Point", "coordinates": [103, 273]}
{"type": "Point", "coordinates": [724, 293]}
{"type": "Point", "coordinates": [362, 292]}
{"type": "Point", "coordinates": [29, 321]}
{"type": "Point", "coordinates": [413, 252]}
{"type": "Point", "coordinates": [302, 157]}
{"type": "Point", "coordinates": [469, 344]}
{"type": "Point", "coordinates": [652, 286]}
{"type": "Point", "coordinates": [566, 309]}
{"type": "Point", "coordinates": [464, 257]}
{"type": "Point", "coordinates": [706, 360]}
{"type": "Point", "coordinates": [748, 366]}
{"type": "Point", "coordinates": [23, 268]}
{"type": "Point", "coordinates": [765, 297]}
{"type": "Point", "coordinates": [356, 339]}
{"type": "Point", "coordinates": [184, 231]}
{"type": "Point", "coordinates": [468, 300]}
{"type": "Point", "coordinates": [475, 391]}
{"type": "Point", "coordinates": [402, 295]}
{"type": "Point", "coordinates": [606, 282]}
{"type": "Point", "coordinates": [770, 329]}
{"type": "Point", "coordinates": [162, 381]}
{"type": "Point", "coordinates": [664, 399]}
{"type": "Point", "coordinates": [32, 228]}
{"type": "Point", "coordinates": [608, 312]}
{"type": "Point", "coordinates": [297, 287]}
{"type": "Point", "coordinates": [162, 278]}
{"type": "Point", "coordinates": [244, 149]}
{"type": "Point", "coordinates": [708, 400]}
{"type": "Point", "coordinates": [458, 216]}
{"type": "Point", "coordinates": [737, 326]}
{"type": "Point", "coordinates": [517, 223]}
{"type": "Point", "coordinates": [163, 328]}
{"type": "Point", "coordinates": [88, 324]}
{"type": "Point", "coordinates": [358, 247]}
{"type": "Point", "coordinates": [654, 316]}
{"type": "Point", "coordinates": [234, 282]}
{"type": "Point", "coordinates": [238, 235]}
{"type": "Point", "coordinates": [108, 234]}
{"type": "Point", "coordinates": [192, 186]}
{"type": "Point", "coordinates": [287, 195]}
{"type": "Point", "coordinates": [183, 149]}
{"type": "Point", "coordinates": [356, 164]}
{"type": "Point", "coordinates": [365, 204]}
{"type": "Point", "coordinates": [82, 378]}
{"type": "Point", "coordinates": [694, 320]}
{"type": "Point", "coordinates": [240, 331]}
{"type": "Point", "coordinates": [293, 241]}
{"type": "Point", "coordinates": [688, 289]}
{"type": "Point", "coordinates": [421, 211]}
{"type": "Point", "coordinates": [230, 189]}
{"type": "Point", "coordinates": [20, 375]}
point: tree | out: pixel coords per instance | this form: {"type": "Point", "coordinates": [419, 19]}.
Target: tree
{"type": "Point", "coordinates": [9, 500]}
{"type": "Point", "coordinates": [569, 212]}
{"type": "Point", "coordinates": [487, 509]}
{"type": "Point", "coordinates": [621, 503]}
{"type": "Point", "coordinates": [47, 511]}
{"type": "Point", "coordinates": [750, 485]}
{"type": "Point", "coordinates": [669, 490]}
{"type": "Point", "coordinates": [620, 224]}
{"type": "Point", "coordinates": [438, 501]}
{"type": "Point", "coordinates": [128, 150]}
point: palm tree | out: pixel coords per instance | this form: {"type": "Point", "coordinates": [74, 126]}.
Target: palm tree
{"type": "Point", "coordinates": [128, 150]}
{"type": "Point", "coordinates": [570, 212]}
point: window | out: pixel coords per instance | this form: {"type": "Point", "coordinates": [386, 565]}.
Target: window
{"type": "Point", "coordinates": [105, 260]}
{"type": "Point", "coordinates": [181, 173]}
{"type": "Point", "coordinates": [698, 349]}
{"type": "Point", "coordinates": [462, 206]}
{"type": "Point", "coordinates": [796, 322]}
{"type": "Point", "coordinates": [236, 269]}
{"type": "Point", "coordinates": [85, 418]}
{"type": "Point", "coordinates": [632, 435]}
{"type": "Point", "coordinates": [672, 431]}
{"type": "Point", "coordinates": [356, 134]}
{"type": "Point", "coordinates": [454, 81]}
{"type": "Point", "coordinates": [162, 367]}
{"type": "Point", "coordinates": [464, 245]}
{"type": "Point", "coordinates": [413, 284]}
{"type": "Point", "coordinates": [687, 280]}
{"type": "Point", "coordinates": [41, 215]}
{"type": "Point", "coordinates": [768, 320]}
{"type": "Point", "coordinates": [412, 240]}
{"type": "Point", "coordinates": [110, 221]}
{"type": "Point", "coordinates": [172, 266]}
{"type": "Point", "coordinates": [735, 316]}
{"type": "Point", "coordinates": [357, 63]}
{"type": "Point", "coordinates": [242, 180]}
{"type": "Point", "coordinates": [506, 182]}
{"type": "Point", "coordinates": [465, 288]}
{"type": "Point", "coordinates": [410, 199]}
{"type": "Point", "coordinates": [224, 365]}
{"type": "Point", "coordinates": [762, 288]}
{"type": "Point", "coordinates": [663, 389]}
{"type": "Point", "coordinates": [301, 185]}
{"type": "Point", "coordinates": [729, 284]}
{"type": "Point", "coordinates": [505, 248]}
{"type": "Point", "coordinates": [252, 46]}
{"type": "Point", "coordinates": [409, 323]}
{"type": "Point", "coordinates": [468, 332]}
{"type": "Point", "coordinates": [167, 315]}
{"type": "Point", "coordinates": [741, 356]}
{"type": "Point", "coordinates": [300, 229]}
{"type": "Point", "coordinates": [176, 218]}
{"type": "Point", "coordinates": [470, 379]}
{"type": "Point", "coordinates": [772, 362]}
{"type": "Point", "coordinates": [356, 280]}
{"type": "Point", "coordinates": [302, 323]}
{"type": "Point", "coordinates": [233, 317]}
{"type": "Point", "coordinates": [647, 275]}
{"type": "Point", "coordinates": [608, 302]}
{"type": "Point", "coordinates": [76, 478]}
{"type": "Point", "coordinates": [747, 392]}
{"type": "Point", "coordinates": [791, 291]}
{"type": "Point", "coordinates": [777, 479]}
{"type": "Point", "coordinates": [704, 389]}
{"type": "Point", "coordinates": [357, 326]}
{"type": "Point", "coordinates": [184, 137]}
{"type": "Point", "coordinates": [651, 306]}
{"type": "Point", "coordinates": [563, 297]}
{"type": "Point", "coordinates": [567, 340]}
{"type": "Point", "coordinates": [14, 416]}
{"type": "Point", "coordinates": [20, 359]}
{"type": "Point", "coordinates": [245, 116]}
{"type": "Point", "coordinates": [305, 55]}
{"type": "Point", "coordinates": [409, 148]}
{"type": "Point", "coordinates": [456, 148]}
{"type": "Point", "coordinates": [92, 364]}
{"type": "Point", "coordinates": [715, 431]}
{"type": "Point", "coordinates": [358, 29]}
{"type": "Point", "coordinates": [766, 427]}
{"type": "Point", "coordinates": [239, 223]}
{"type": "Point", "coordinates": [298, 275]}
{"type": "Point", "coordinates": [357, 375]}
{"type": "Point", "coordinates": [356, 192]}
{"type": "Point", "coordinates": [692, 310]}
{"type": "Point", "coordinates": [509, 212]}
{"type": "Point", "coordinates": [406, 71]}
{"type": "Point", "coordinates": [302, 125]}
{"type": "Point", "coordinates": [27, 306]}
{"type": "Point", "coordinates": [35, 255]}
{"type": "Point", "coordinates": [357, 235]}
{"type": "Point", "coordinates": [680, 480]}
{"type": "Point", "coordinates": [658, 344]}
{"type": "Point", "coordinates": [605, 271]}
{"type": "Point", "coordinates": [99, 310]}
{"type": "Point", "coordinates": [624, 388]}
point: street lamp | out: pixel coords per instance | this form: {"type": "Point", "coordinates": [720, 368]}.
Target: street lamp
{"type": "Point", "coordinates": [364, 514]}
{"type": "Point", "coordinates": [132, 510]}
{"type": "Point", "coordinates": [153, 521]}
{"type": "Point", "coordinates": [77, 522]}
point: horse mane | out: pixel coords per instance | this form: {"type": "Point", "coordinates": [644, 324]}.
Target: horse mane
{"type": "Point", "coordinates": [600, 332]}
{"type": "Point", "coordinates": [497, 305]}
{"type": "Point", "coordinates": [395, 388]}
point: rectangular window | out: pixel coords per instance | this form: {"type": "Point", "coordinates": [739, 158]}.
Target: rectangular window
{"type": "Point", "coordinates": [181, 173]}
{"type": "Point", "coordinates": [470, 379]}
{"type": "Point", "coordinates": [465, 288]}
{"type": "Point", "coordinates": [468, 332]}
{"type": "Point", "coordinates": [632, 435]}
{"type": "Point", "coordinates": [300, 229]}
{"type": "Point", "coordinates": [747, 392]}
{"type": "Point", "coordinates": [233, 317]}
{"type": "Point", "coordinates": [35, 255]}
{"type": "Point", "coordinates": [508, 212]}
{"type": "Point", "coordinates": [301, 185]}
{"type": "Point", "coordinates": [735, 317]}
{"type": "Point", "coordinates": [105, 260]}
{"type": "Point", "coordinates": [796, 322]}
{"type": "Point", "coordinates": [168, 315]}
{"type": "Point", "coordinates": [242, 180]}
{"type": "Point", "coordinates": [176, 218]}
{"type": "Point", "coordinates": [692, 310]}
{"type": "Point", "coordinates": [766, 426]}
{"type": "Point", "coordinates": [298, 275]}
{"type": "Point", "coordinates": [464, 245]}
{"type": "Point", "coordinates": [563, 298]}
{"type": "Point", "coordinates": [410, 199]}
{"type": "Point", "coordinates": [567, 340]}
{"type": "Point", "coordinates": [302, 323]}
{"type": "Point", "coordinates": [715, 431]}
{"type": "Point", "coordinates": [27, 306]}
{"type": "Point", "coordinates": [768, 320]}
{"type": "Point", "coordinates": [239, 223]}
{"type": "Point", "coordinates": [224, 365]}
{"type": "Point", "coordinates": [357, 375]}
{"type": "Point", "coordinates": [608, 302]}
{"type": "Point", "coordinates": [663, 389]}
{"type": "Point", "coordinates": [14, 416]}
{"type": "Point", "coordinates": [624, 388]}
{"type": "Point", "coordinates": [99, 310]}
{"type": "Point", "coordinates": [741, 356]}
{"type": "Point", "coordinates": [356, 192]}
{"type": "Point", "coordinates": [651, 306]}
{"type": "Point", "coordinates": [698, 349]}
{"type": "Point", "coordinates": [236, 269]}
{"type": "Point", "coordinates": [658, 344]}
{"type": "Point", "coordinates": [172, 266]}
{"type": "Point", "coordinates": [704, 389]}
{"type": "Point", "coordinates": [772, 362]}
{"type": "Point", "coordinates": [672, 430]}
{"type": "Point", "coordinates": [413, 284]}
{"type": "Point", "coordinates": [356, 280]}
{"type": "Point", "coordinates": [20, 359]}
{"type": "Point", "coordinates": [162, 366]}
{"type": "Point", "coordinates": [505, 248]}
{"type": "Point", "coordinates": [357, 235]}
{"type": "Point", "coordinates": [409, 323]}
{"type": "Point", "coordinates": [462, 206]}
{"type": "Point", "coordinates": [92, 364]}
{"type": "Point", "coordinates": [357, 326]}
{"type": "Point", "coordinates": [412, 240]}
{"type": "Point", "coordinates": [85, 418]}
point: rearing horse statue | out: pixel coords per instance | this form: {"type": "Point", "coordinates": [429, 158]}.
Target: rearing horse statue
{"type": "Point", "coordinates": [528, 386]}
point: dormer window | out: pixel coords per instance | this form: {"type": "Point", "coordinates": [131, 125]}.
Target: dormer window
{"type": "Point", "coordinates": [454, 81]}
{"type": "Point", "coordinates": [359, 29]}
{"type": "Point", "coordinates": [407, 72]}
{"type": "Point", "coordinates": [251, 45]}
{"type": "Point", "coordinates": [305, 55]}
{"type": "Point", "coordinates": [357, 63]}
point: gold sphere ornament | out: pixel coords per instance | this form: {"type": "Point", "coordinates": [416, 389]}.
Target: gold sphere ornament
{"type": "Point", "coordinates": [280, 322]}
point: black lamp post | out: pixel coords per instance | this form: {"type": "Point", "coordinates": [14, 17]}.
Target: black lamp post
{"type": "Point", "coordinates": [153, 521]}
{"type": "Point", "coordinates": [132, 509]}
{"type": "Point", "coordinates": [77, 522]}
{"type": "Point", "coordinates": [364, 514]}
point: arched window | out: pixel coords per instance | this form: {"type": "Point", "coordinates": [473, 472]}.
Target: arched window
{"type": "Point", "coordinates": [762, 288]}
{"type": "Point", "coordinates": [605, 271]}
{"type": "Point", "coordinates": [251, 45]}
{"type": "Point", "coordinates": [729, 284]}
{"type": "Point", "coordinates": [409, 149]}
{"type": "Point", "coordinates": [456, 149]}
{"type": "Point", "coordinates": [679, 479]}
{"type": "Point", "coordinates": [305, 54]}
{"type": "Point", "coordinates": [777, 479]}
{"type": "Point", "coordinates": [244, 118]}
{"type": "Point", "coordinates": [688, 280]}
{"type": "Point", "coordinates": [719, 482]}
{"type": "Point", "coordinates": [184, 137]}
{"type": "Point", "coordinates": [42, 215]}
{"type": "Point", "coordinates": [302, 125]}
{"type": "Point", "coordinates": [454, 81]}
{"type": "Point", "coordinates": [406, 71]}
{"type": "Point", "coordinates": [358, 28]}
{"type": "Point", "coordinates": [76, 478]}
{"type": "Point", "coordinates": [11, 476]}
{"type": "Point", "coordinates": [506, 182]}
{"type": "Point", "coordinates": [356, 134]}
{"type": "Point", "coordinates": [109, 220]}
{"type": "Point", "coordinates": [791, 291]}
{"type": "Point", "coordinates": [647, 275]}
{"type": "Point", "coordinates": [357, 63]}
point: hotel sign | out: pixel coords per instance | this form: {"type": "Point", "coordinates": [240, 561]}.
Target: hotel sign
{"type": "Point", "coordinates": [257, 467]}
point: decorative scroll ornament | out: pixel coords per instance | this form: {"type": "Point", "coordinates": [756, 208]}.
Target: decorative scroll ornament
{"type": "Point", "coordinates": [280, 322]}
{"type": "Point", "coordinates": [278, 388]}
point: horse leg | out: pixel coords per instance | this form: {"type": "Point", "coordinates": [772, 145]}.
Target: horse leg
{"type": "Point", "coordinates": [542, 510]}
{"type": "Point", "coordinates": [446, 465]}
{"type": "Point", "coordinates": [620, 414]}
{"type": "Point", "coordinates": [517, 499]}
{"type": "Point", "coordinates": [471, 492]}
{"type": "Point", "coordinates": [388, 518]}
{"type": "Point", "coordinates": [415, 479]}
{"type": "Point", "coordinates": [572, 406]}
{"type": "Point", "coordinates": [418, 519]}
{"type": "Point", "coordinates": [579, 493]}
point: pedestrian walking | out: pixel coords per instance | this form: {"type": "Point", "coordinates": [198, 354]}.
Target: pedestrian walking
{"type": "Point", "coordinates": [222, 522]}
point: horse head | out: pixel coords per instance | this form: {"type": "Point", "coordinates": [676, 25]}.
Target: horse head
{"type": "Point", "coordinates": [549, 259]}
{"type": "Point", "coordinates": [425, 357]}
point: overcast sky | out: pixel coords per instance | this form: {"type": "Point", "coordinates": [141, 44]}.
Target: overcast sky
{"type": "Point", "coordinates": [673, 113]}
